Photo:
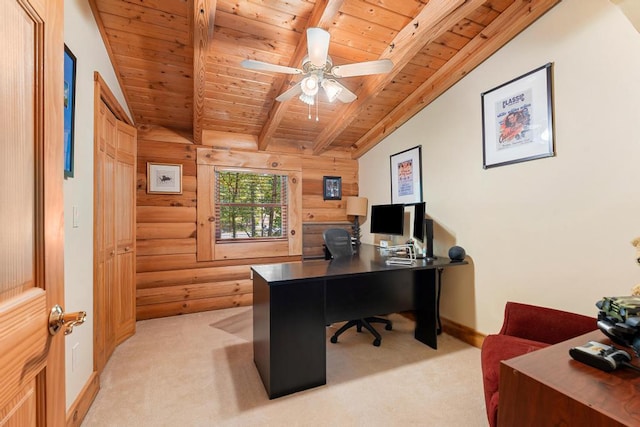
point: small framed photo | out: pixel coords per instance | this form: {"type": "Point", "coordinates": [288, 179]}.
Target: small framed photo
{"type": "Point", "coordinates": [517, 120]}
{"type": "Point", "coordinates": [332, 186]}
{"type": "Point", "coordinates": [406, 176]}
{"type": "Point", "coordinates": [164, 178]}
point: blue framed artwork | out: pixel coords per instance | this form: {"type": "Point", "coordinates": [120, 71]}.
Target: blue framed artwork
{"type": "Point", "coordinates": [69, 109]}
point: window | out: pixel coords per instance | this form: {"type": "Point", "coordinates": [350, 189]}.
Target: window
{"type": "Point", "coordinates": [250, 205]}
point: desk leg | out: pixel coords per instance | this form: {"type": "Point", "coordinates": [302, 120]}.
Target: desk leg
{"type": "Point", "coordinates": [438, 292]}
{"type": "Point", "coordinates": [426, 307]}
{"type": "Point", "coordinates": [289, 338]}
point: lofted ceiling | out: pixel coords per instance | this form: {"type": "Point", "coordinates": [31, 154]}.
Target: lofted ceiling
{"type": "Point", "coordinates": [178, 63]}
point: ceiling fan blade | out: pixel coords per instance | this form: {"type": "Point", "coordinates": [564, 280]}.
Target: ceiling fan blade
{"type": "Point", "coordinates": [345, 95]}
{"type": "Point", "coordinates": [363, 68]}
{"type": "Point", "coordinates": [252, 64]}
{"type": "Point", "coordinates": [290, 93]}
{"type": "Point", "coordinates": [318, 46]}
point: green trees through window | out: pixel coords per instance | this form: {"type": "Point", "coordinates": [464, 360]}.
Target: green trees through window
{"type": "Point", "coordinates": [250, 205]}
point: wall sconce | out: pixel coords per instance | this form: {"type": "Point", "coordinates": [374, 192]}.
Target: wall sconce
{"type": "Point", "coordinates": [357, 207]}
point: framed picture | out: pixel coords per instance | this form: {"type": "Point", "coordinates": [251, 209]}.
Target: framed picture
{"type": "Point", "coordinates": [69, 109]}
{"type": "Point", "coordinates": [406, 176]}
{"type": "Point", "coordinates": [164, 178]}
{"type": "Point", "coordinates": [332, 186]}
{"type": "Point", "coordinates": [517, 120]}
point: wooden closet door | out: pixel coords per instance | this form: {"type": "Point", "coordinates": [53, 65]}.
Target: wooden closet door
{"type": "Point", "coordinates": [115, 251]}
{"type": "Point", "coordinates": [125, 222]}
{"type": "Point", "coordinates": [105, 258]}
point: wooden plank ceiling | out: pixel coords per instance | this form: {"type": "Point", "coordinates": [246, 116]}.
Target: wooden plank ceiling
{"type": "Point", "coordinates": [178, 62]}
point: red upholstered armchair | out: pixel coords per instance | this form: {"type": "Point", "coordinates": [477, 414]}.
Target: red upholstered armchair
{"type": "Point", "coordinates": [526, 328]}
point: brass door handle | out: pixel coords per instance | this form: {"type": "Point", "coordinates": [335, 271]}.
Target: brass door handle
{"type": "Point", "coordinates": [58, 319]}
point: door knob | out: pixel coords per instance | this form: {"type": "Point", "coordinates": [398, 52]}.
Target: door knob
{"type": "Point", "coordinates": [58, 319]}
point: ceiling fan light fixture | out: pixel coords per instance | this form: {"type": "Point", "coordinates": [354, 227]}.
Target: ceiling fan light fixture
{"type": "Point", "coordinates": [310, 85]}
{"type": "Point", "coordinates": [331, 88]}
{"type": "Point", "coordinates": [307, 99]}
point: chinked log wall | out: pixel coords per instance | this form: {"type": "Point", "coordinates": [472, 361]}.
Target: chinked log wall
{"type": "Point", "coordinates": [169, 280]}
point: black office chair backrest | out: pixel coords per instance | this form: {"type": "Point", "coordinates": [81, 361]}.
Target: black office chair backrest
{"type": "Point", "coordinates": [338, 242]}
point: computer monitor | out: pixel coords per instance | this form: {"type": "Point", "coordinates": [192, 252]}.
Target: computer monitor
{"type": "Point", "coordinates": [422, 232]}
{"type": "Point", "coordinates": [387, 219]}
{"type": "Point", "coordinates": [418, 221]}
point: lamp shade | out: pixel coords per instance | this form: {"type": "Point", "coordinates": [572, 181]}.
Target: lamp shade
{"type": "Point", "coordinates": [357, 206]}
{"type": "Point", "coordinates": [331, 88]}
{"type": "Point", "coordinates": [309, 85]}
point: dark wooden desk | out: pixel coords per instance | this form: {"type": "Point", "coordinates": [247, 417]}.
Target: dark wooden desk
{"type": "Point", "coordinates": [294, 302]}
{"type": "Point", "coordinates": [548, 388]}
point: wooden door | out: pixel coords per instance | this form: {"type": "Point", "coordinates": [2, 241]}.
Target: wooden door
{"type": "Point", "coordinates": [104, 298]}
{"type": "Point", "coordinates": [125, 230]}
{"type": "Point", "coordinates": [115, 254]}
{"type": "Point", "coordinates": [31, 212]}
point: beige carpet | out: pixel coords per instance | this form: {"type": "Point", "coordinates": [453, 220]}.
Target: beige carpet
{"type": "Point", "coordinates": [197, 370]}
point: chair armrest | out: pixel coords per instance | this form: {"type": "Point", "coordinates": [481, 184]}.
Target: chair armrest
{"type": "Point", "coordinates": [544, 324]}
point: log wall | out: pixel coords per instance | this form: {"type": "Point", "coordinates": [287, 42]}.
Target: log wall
{"type": "Point", "coordinates": [169, 279]}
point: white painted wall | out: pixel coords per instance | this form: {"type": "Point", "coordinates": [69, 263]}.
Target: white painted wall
{"type": "Point", "coordinates": [631, 8]}
{"type": "Point", "coordinates": [555, 231]}
{"type": "Point", "coordinates": [81, 35]}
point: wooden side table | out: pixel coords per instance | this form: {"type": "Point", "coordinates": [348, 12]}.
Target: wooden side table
{"type": "Point", "coordinates": [548, 388]}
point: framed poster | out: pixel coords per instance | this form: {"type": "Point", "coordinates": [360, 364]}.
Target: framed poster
{"type": "Point", "coordinates": [69, 109]}
{"type": "Point", "coordinates": [517, 120]}
{"type": "Point", "coordinates": [332, 188]}
{"type": "Point", "coordinates": [406, 176]}
{"type": "Point", "coordinates": [164, 178]}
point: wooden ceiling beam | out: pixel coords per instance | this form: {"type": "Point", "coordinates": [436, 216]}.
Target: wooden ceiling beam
{"type": "Point", "coordinates": [433, 20]}
{"type": "Point", "coordinates": [322, 15]}
{"type": "Point", "coordinates": [95, 10]}
{"type": "Point", "coordinates": [505, 27]}
{"type": "Point", "coordinates": [204, 12]}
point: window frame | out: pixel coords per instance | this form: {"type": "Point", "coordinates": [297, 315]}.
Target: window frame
{"type": "Point", "coordinates": [210, 159]}
{"type": "Point", "coordinates": [285, 205]}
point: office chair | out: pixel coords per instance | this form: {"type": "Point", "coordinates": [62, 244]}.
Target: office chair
{"type": "Point", "coordinates": [338, 243]}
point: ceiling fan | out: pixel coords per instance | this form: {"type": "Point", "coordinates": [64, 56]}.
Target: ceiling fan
{"type": "Point", "coordinates": [319, 72]}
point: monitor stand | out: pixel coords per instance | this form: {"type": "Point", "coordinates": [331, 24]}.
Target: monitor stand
{"type": "Point", "coordinates": [424, 249]}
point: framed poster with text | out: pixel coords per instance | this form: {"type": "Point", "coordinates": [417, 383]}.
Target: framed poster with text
{"type": "Point", "coordinates": [517, 120]}
{"type": "Point", "coordinates": [406, 176]}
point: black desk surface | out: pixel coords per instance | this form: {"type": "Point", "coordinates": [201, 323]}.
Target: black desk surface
{"type": "Point", "coordinates": [294, 302]}
{"type": "Point", "coordinates": [366, 260]}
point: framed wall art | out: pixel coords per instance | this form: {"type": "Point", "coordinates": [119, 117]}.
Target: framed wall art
{"type": "Point", "coordinates": [332, 187]}
{"type": "Point", "coordinates": [517, 119]}
{"type": "Point", "coordinates": [164, 178]}
{"type": "Point", "coordinates": [69, 109]}
{"type": "Point", "coordinates": [406, 176]}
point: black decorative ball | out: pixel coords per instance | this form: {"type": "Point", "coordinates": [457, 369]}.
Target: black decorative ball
{"type": "Point", "coordinates": [457, 253]}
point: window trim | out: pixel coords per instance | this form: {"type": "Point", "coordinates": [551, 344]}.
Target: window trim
{"type": "Point", "coordinates": [208, 159]}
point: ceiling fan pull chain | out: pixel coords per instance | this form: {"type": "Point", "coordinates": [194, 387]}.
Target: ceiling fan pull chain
{"type": "Point", "coordinates": [317, 119]}
{"type": "Point", "coordinates": [309, 106]}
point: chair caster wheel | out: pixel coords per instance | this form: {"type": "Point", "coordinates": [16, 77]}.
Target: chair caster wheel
{"type": "Point", "coordinates": [388, 327]}
{"type": "Point", "coordinates": [376, 342]}
{"type": "Point", "coordinates": [334, 339]}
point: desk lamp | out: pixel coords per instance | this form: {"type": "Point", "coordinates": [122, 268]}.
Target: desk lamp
{"type": "Point", "coordinates": [357, 207]}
